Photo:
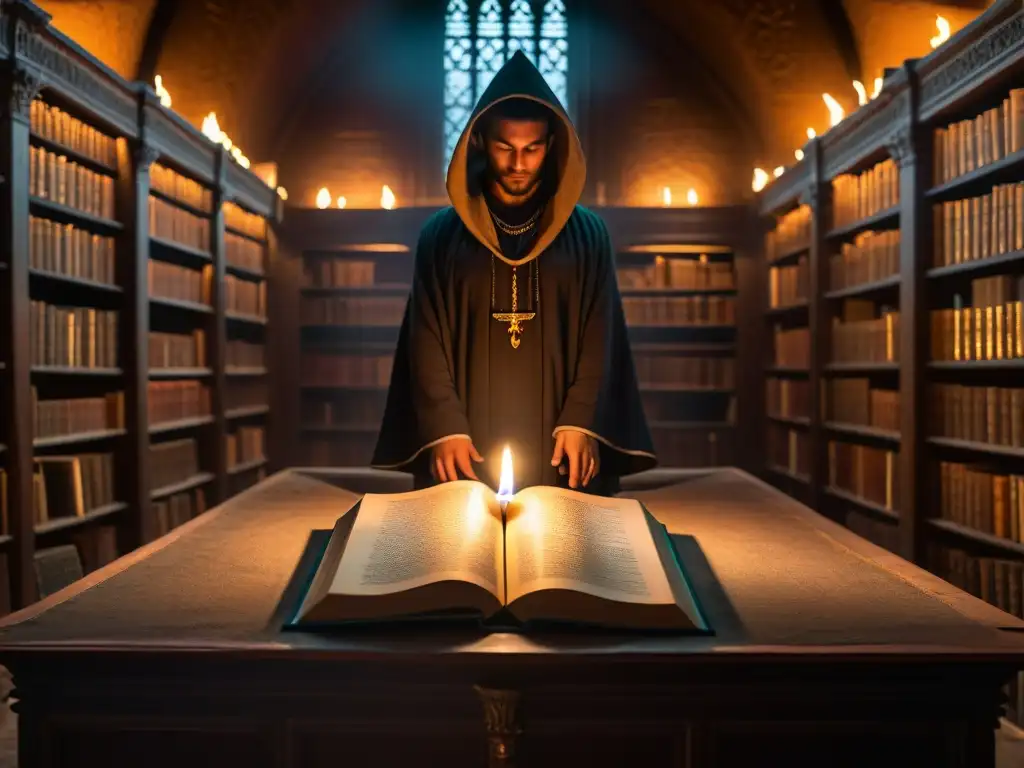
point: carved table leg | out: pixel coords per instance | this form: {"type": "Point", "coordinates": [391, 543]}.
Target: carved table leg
{"type": "Point", "coordinates": [501, 718]}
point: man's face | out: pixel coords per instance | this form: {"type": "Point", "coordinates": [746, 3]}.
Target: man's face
{"type": "Point", "coordinates": [515, 153]}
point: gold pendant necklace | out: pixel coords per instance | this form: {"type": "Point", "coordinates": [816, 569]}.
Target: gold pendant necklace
{"type": "Point", "coordinates": [515, 318]}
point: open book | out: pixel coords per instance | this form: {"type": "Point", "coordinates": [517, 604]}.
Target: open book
{"type": "Point", "coordinates": [551, 555]}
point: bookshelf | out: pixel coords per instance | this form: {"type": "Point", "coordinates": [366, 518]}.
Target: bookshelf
{"type": "Point", "coordinates": [915, 247]}
{"type": "Point", "coordinates": [346, 276]}
{"type": "Point", "coordinates": [132, 265]}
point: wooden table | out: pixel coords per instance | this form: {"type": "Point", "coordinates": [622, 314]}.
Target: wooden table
{"type": "Point", "coordinates": [827, 652]}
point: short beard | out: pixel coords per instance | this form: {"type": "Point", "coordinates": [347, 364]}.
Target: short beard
{"type": "Point", "coordinates": [524, 192]}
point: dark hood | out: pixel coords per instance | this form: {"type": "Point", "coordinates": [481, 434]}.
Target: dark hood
{"type": "Point", "coordinates": [518, 78]}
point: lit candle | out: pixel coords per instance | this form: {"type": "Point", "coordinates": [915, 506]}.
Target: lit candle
{"type": "Point", "coordinates": [505, 488]}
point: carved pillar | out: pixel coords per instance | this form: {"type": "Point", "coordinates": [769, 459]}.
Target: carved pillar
{"type": "Point", "coordinates": [132, 201]}
{"type": "Point", "coordinates": [20, 83]}
{"type": "Point", "coordinates": [907, 147]}
{"type": "Point", "coordinates": [501, 718]}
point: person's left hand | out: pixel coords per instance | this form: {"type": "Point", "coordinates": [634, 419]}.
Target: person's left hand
{"type": "Point", "coordinates": [580, 451]}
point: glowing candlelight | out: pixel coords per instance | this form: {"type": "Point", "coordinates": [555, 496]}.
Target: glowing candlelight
{"type": "Point", "coordinates": [666, 196]}
{"type": "Point", "coordinates": [811, 133]}
{"type": "Point", "coordinates": [798, 154]}
{"type": "Point", "coordinates": [387, 198]}
{"type": "Point", "coordinates": [836, 113]}
{"type": "Point", "coordinates": [342, 201]}
{"type": "Point", "coordinates": [862, 93]}
{"type": "Point", "coordinates": [505, 487]}
{"type": "Point", "coordinates": [942, 25]}
{"type": "Point", "coordinates": [162, 93]}
{"type": "Point", "coordinates": [760, 179]}
{"type": "Point", "coordinates": [691, 197]}
{"type": "Point", "coordinates": [878, 88]}
{"type": "Point", "coordinates": [282, 193]}
{"type": "Point", "coordinates": [323, 198]}
{"type": "Point", "coordinates": [779, 171]}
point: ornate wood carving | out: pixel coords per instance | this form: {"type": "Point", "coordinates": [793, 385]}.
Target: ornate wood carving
{"type": "Point", "coordinates": [145, 156]}
{"type": "Point", "coordinates": [187, 146]}
{"type": "Point", "coordinates": [974, 62]}
{"type": "Point", "coordinates": [21, 86]}
{"type": "Point", "coordinates": [868, 128]}
{"type": "Point", "coordinates": [901, 146]}
{"type": "Point", "coordinates": [501, 718]}
{"type": "Point", "coordinates": [66, 73]}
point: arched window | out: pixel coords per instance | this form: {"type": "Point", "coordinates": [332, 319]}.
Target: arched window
{"type": "Point", "coordinates": [481, 34]}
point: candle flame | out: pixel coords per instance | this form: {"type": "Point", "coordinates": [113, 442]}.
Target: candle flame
{"type": "Point", "coordinates": [942, 25]}
{"type": "Point", "coordinates": [505, 482]}
{"type": "Point", "coordinates": [878, 88]}
{"type": "Point", "coordinates": [760, 180]}
{"type": "Point", "coordinates": [211, 129]}
{"type": "Point", "coordinates": [342, 201]}
{"type": "Point", "coordinates": [161, 92]}
{"type": "Point", "coordinates": [779, 171]}
{"type": "Point", "coordinates": [862, 94]}
{"type": "Point", "coordinates": [691, 197]}
{"type": "Point", "coordinates": [798, 154]}
{"type": "Point", "coordinates": [666, 196]}
{"type": "Point", "coordinates": [387, 198]}
{"type": "Point", "coordinates": [323, 198]}
{"type": "Point", "coordinates": [835, 111]}
{"type": "Point", "coordinates": [282, 193]}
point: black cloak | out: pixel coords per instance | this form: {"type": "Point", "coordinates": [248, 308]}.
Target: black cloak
{"type": "Point", "coordinates": [455, 372]}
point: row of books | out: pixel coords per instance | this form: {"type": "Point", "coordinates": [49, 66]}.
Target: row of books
{"type": "Point", "coordinates": [867, 341]}
{"type": "Point", "coordinates": [77, 415]}
{"type": "Point", "coordinates": [871, 256]}
{"type": "Point", "coordinates": [867, 472]}
{"type": "Point", "coordinates": [683, 371]}
{"type": "Point", "coordinates": [975, 142]}
{"type": "Point", "coordinates": [177, 350]}
{"type": "Point", "coordinates": [54, 177]}
{"type": "Point", "coordinates": [683, 273]}
{"type": "Point", "coordinates": [788, 398]}
{"type": "Point", "coordinates": [792, 231]}
{"type": "Point", "coordinates": [856, 196]}
{"type": "Point", "coordinates": [245, 444]}
{"type": "Point", "coordinates": [341, 412]}
{"type": "Point", "coordinates": [788, 285]}
{"type": "Point", "coordinates": [246, 393]}
{"type": "Point", "coordinates": [171, 281]}
{"type": "Point", "coordinates": [991, 329]}
{"type": "Point", "coordinates": [54, 124]}
{"type": "Point", "coordinates": [358, 310]}
{"type": "Point", "coordinates": [245, 354]}
{"type": "Point", "coordinates": [76, 337]}
{"type": "Point", "coordinates": [338, 273]}
{"type": "Point", "coordinates": [169, 222]}
{"type": "Point", "coordinates": [679, 310]}
{"type": "Point", "coordinates": [65, 249]}
{"type": "Point", "coordinates": [245, 297]}
{"type": "Point", "coordinates": [979, 414]}
{"type": "Point", "coordinates": [711, 447]}
{"type": "Point", "coordinates": [789, 450]}
{"type": "Point", "coordinates": [241, 220]}
{"type": "Point", "coordinates": [978, 227]}
{"type": "Point", "coordinates": [242, 252]}
{"type": "Point", "coordinates": [176, 400]}
{"type": "Point", "coordinates": [855, 401]}
{"type": "Point", "coordinates": [71, 486]}
{"type": "Point", "coordinates": [181, 188]}
{"type": "Point", "coordinates": [173, 461]}
{"type": "Point", "coordinates": [321, 369]}
{"type": "Point", "coordinates": [178, 509]}
{"type": "Point", "coordinates": [983, 499]}
{"type": "Point", "coordinates": [792, 347]}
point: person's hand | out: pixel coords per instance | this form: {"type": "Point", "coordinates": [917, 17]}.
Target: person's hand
{"type": "Point", "coordinates": [453, 456]}
{"type": "Point", "coordinates": [580, 451]}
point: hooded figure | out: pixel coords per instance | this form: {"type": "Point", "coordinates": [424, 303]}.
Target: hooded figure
{"type": "Point", "coordinates": [514, 331]}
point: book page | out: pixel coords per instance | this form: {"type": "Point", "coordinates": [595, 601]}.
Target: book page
{"type": "Point", "coordinates": [401, 541]}
{"type": "Point", "coordinates": [562, 539]}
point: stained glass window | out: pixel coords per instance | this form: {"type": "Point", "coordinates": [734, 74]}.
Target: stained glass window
{"type": "Point", "coordinates": [479, 37]}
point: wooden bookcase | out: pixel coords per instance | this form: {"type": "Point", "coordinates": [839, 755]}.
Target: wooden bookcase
{"type": "Point", "coordinates": [910, 421]}
{"type": "Point", "coordinates": [129, 242]}
{"type": "Point", "coordinates": [347, 275]}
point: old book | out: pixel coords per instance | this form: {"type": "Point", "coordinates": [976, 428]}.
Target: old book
{"type": "Point", "coordinates": [552, 555]}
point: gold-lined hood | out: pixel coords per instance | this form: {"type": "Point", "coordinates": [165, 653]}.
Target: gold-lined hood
{"type": "Point", "coordinates": [519, 78]}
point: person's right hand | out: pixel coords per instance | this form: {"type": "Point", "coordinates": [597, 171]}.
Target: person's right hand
{"type": "Point", "coordinates": [451, 455]}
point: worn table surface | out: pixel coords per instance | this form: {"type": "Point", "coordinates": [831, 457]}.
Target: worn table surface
{"type": "Point", "coordinates": [774, 578]}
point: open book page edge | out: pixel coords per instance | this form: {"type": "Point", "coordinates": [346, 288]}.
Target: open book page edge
{"type": "Point", "coordinates": [319, 585]}
{"type": "Point", "coordinates": [634, 518]}
{"type": "Point", "coordinates": [675, 572]}
{"type": "Point", "coordinates": [372, 509]}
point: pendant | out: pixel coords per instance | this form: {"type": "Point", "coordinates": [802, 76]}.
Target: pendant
{"type": "Point", "coordinates": [514, 320]}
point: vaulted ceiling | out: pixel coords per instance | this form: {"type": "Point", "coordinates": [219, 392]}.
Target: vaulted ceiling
{"type": "Point", "coordinates": [252, 61]}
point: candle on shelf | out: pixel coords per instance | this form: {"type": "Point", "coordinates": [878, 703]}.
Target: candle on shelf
{"type": "Point", "coordinates": [323, 198]}
{"type": "Point", "coordinates": [387, 198]}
